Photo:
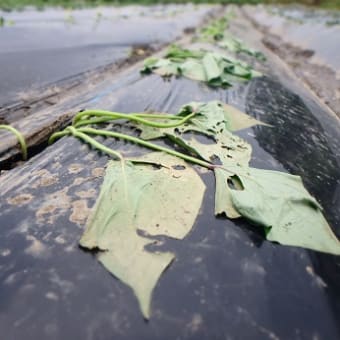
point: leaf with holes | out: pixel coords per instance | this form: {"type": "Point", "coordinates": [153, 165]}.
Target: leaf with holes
{"type": "Point", "coordinates": [212, 119]}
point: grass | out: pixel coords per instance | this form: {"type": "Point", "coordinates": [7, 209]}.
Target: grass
{"type": "Point", "coordinates": [20, 4]}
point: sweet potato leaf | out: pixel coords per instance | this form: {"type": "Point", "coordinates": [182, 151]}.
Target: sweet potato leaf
{"type": "Point", "coordinates": [275, 200]}
{"type": "Point", "coordinates": [237, 46]}
{"type": "Point", "coordinates": [212, 119]}
{"type": "Point", "coordinates": [234, 155]}
{"type": "Point", "coordinates": [216, 32]}
{"type": "Point", "coordinates": [280, 203]}
{"type": "Point", "coordinates": [157, 194]}
{"type": "Point", "coordinates": [237, 120]}
{"type": "Point", "coordinates": [215, 69]}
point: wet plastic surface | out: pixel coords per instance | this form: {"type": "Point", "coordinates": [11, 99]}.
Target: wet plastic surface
{"type": "Point", "coordinates": [227, 282]}
{"type": "Point", "coordinates": [39, 48]}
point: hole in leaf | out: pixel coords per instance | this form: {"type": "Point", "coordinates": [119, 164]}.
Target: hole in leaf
{"type": "Point", "coordinates": [156, 166]}
{"type": "Point", "coordinates": [178, 167]}
{"type": "Point", "coordinates": [215, 160]}
{"type": "Point", "coordinates": [235, 183]}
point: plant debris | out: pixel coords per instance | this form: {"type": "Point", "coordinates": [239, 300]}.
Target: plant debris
{"type": "Point", "coordinates": [216, 32]}
{"type": "Point", "coordinates": [215, 69]}
{"type": "Point", "coordinates": [160, 194]}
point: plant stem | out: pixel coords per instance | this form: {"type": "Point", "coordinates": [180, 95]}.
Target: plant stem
{"type": "Point", "coordinates": [108, 115]}
{"type": "Point", "coordinates": [20, 138]}
{"type": "Point", "coordinates": [57, 135]}
{"type": "Point", "coordinates": [105, 119]}
{"type": "Point", "coordinates": [79, 134]}
{"type": "Point", "coordinates": [146, 144]}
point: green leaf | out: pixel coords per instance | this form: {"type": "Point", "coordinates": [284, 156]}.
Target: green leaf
{"type": "Point", "coordinates": [163, 67]}
{"type": "Point", "coordinates": [223, 200]}
{"type": "Point", "coordinates": [279, 202]}
{"type": "Point", "coordinates": [212, 119]}
{"type": "Point", "coordinates": [178, 54]}
{"type": "Point", "coordinates": [193, 69]}
{"type": "Point", "coordinates": [215, 29]}
{"type": "Point", "coordinates": [237, 120]}
{"type": "Point", "coordinates": [234, 155]}
{"type": "Point", "coordinates": [212, 68]}
{"type": "Point", "coordinates": [157, 194]}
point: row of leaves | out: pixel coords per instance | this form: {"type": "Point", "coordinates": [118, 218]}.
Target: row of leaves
{"type": "Point", "coordinates": [214, 68]}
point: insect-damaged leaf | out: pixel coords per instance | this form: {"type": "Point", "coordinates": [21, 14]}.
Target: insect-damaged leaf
{"type": "Point", "coordinates": [212, 119]}
{"type": "Point", "coordinates": [274, 200]}
{"type": "Point", "coordinates": [237, 120]}
{"type": "Point", "coordinates": [159, 195]}
{"type": "Point", "coordinates": [280, 203]}
{"type": "Point", "coordinates": [234, 154]}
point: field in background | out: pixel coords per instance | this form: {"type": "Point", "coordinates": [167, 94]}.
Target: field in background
{"type": "Point", "coordinates": [18, 4]}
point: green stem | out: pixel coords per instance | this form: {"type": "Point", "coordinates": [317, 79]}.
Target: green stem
{"type": "Point", "coordinates": [20, 138]}
{"type": "Point", "coordinates": [105, 119]}
{"type": "Point", "coordinates": [146, 144]}
{"type": "Point", "coordinates": [156, 116]}
{"type": "Point", "coordinates": [57, 135]}
{"type": "Point", "coordinates": [108, 115]}
{"type": "Point", "coordinates": [89, 121]}
{"type": "Point", "coordinates": [79, 134]}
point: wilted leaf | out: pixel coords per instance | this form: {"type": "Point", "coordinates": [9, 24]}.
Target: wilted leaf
{"type": "Point", "coordinates": [212, 119]}
{"type": "Point", "coordinates": [160, 195]}
{"type": "Point", "coordinates": [237, 120]}
{"type": "Point", "coordinates": [213, 68]}
{"type": "Point", "coordinates": [216, 32]}
{"type": "Point", "coordinates": [193, 69]}
{"type": "Point", "coordinates": [234, 155]}
{"type": "Point", "coordinates": [163, 67]}
{"type": "Point", "coordinates": [237, 46]}
{"type": "Point", "coordinates": [280, 203]}
{"type": "Point", "coordinates": [223, 200]}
